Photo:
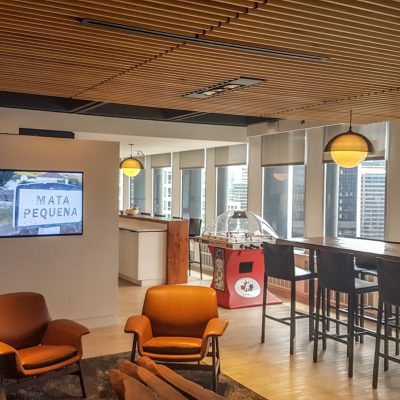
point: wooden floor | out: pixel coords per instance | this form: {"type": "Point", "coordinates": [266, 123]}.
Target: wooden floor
{"type": "Point", "coordinates": [267, 368]}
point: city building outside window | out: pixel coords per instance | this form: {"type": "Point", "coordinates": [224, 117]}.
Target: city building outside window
{"type": "Point", "coordinates": [283, 199]}
{"type": "Point", "coordinates": [193, 193]}
{"type": "Point", "coordinates": [137, 190]}
{"type": "Point", "coordinates": [231, 188]}
{"type": "Point", "coordinates": [162, 191]}
{"type": "Point", "coordinates": [355, 200]}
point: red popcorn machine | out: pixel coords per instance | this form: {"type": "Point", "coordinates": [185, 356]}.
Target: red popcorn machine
{"type": "Point", "coordinates": [235, 241]}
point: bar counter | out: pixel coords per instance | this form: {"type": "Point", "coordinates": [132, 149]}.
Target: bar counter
{"type": "Point", "coordinates": [153, 250]}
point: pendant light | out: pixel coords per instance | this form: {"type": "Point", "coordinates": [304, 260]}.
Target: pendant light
{"type": "Point", "coordinates": [131, 166]}
{"type": "Point", "coordinates": [348, 149]}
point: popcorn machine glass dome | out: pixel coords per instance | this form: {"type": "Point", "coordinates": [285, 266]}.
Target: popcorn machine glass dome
{"type": "Point", "coordinates": [240, 226]}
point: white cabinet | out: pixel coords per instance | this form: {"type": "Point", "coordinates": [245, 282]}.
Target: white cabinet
{"type": "Point", "coordinates": [142, 256]}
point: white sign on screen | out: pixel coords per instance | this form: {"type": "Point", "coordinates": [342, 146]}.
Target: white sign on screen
{"type": "Point", "coordinates": [41, 207]}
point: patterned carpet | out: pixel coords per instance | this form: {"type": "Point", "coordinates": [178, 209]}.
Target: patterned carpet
{"type": "Point", "coordinates": [98, 385]}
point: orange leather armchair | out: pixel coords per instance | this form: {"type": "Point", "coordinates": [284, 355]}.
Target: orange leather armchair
{"type": "Point", "coordinates": [179, 324]}
{"type": "Point", "coordinates": [31, 344]}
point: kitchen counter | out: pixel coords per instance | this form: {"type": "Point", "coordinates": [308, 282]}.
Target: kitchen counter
{"type": "Point", "coordinates": [153, 250]}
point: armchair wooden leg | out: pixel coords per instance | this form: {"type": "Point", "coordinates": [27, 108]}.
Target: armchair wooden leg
{"type": "Point", "coordinates": [214, 364]}
{"type": "Point", "coordinates": [218, 357]}
{"type": "Point", "coordinates": [81, 380]}
{"type": "Point", "coordinates": [134, 344]}
{"type": "Point", "coordinates": [3, 395]}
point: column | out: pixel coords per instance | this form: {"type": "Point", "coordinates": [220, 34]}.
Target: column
{"type": "Point", "coordinates": [176, 186]}
{"type": "Point", "coordinates": [314, 183]}
{"type": "Point", "coordinates": [254, 196]}
{"type": "Point", "coordinates": [392, 217]}
{"type": "Point", "coordinates": [211, 184]}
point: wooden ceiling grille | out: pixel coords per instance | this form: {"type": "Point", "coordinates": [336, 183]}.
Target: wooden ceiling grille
{"type": "Point", "coordinates": [46, 50]}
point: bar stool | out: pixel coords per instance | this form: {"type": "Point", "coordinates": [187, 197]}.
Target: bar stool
{"type": "Point", "coordinates": [335, 271]}
{"type": "Point", "coordinates": [195, 230]}
{"type": "Point", "coordinates": [389, 296]}
{"type": "Point", "coordinates": [279, 263]}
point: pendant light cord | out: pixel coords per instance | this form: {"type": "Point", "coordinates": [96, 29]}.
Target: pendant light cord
{"type": "Point", "coordinates": [351, 116]}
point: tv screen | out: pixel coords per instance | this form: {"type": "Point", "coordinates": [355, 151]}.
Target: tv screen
{"type": "Point", "coordinates": [40, 203]}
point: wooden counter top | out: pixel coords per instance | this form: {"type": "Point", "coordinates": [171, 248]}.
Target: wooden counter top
{"type": "Point", "coordinates": [154, 219]}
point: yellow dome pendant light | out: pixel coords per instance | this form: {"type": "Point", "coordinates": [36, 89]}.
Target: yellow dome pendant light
{"type": "Point", "coordinates": [348, 149]}
{"type": "Point", "coordinates": [131, 166]}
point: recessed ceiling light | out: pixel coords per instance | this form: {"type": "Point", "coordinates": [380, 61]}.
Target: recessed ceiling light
{"type": "Point", "coordinates": [224, 87]}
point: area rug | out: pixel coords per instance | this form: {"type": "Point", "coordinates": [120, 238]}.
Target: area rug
{"type": "Point", "coordinates": [99, 387]}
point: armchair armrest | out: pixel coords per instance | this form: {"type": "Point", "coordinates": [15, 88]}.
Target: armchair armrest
{"type": "Point", "coordinates": [6, 349]}
{"type": "Point", "coordinates": [10, 363]}
{"type": "Point", "coordinates": [139, 325]}
{"type": "Point", "coordinates": [65, 332]}
{"type": "Point", "coordinates": [215, 327]}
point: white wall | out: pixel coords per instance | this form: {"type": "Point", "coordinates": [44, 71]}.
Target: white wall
{"type": "Point", "coordinates": [76, 274]}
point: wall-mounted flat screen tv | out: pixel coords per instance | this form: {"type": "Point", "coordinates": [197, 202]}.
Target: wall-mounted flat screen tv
{"type": "Point", "coordinates": [40, 203]}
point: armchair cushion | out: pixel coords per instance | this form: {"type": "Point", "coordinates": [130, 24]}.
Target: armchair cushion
{"type": "Point", "coordinates": [173, 345]}
{"type": "Point", "coordinates": [43, 356]}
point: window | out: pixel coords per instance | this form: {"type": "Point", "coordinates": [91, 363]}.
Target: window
{"type": "Point", "coordinates": [162, 183]}
{"type": "Point", "coordinates": [361, 193]}
{"type": "Point", "coordinates": [193, 193]}
{"type": "Point", "coordinates": [231, 188]}
{"type": "Point", "coordinates": [283, 200]}
{"type": "Point", "coordinates": [137, 190]}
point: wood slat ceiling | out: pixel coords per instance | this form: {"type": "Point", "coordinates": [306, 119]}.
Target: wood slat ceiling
{"type": "Point", "coordinates": [45, 50]}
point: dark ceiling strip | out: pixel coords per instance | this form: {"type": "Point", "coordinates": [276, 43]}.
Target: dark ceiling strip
{"type": "Point", "coordinates": [86, 107]}
{"type": "Point", "coordinates": [187, 115]}
{"type": "Point", "coordinates": [201, 41]}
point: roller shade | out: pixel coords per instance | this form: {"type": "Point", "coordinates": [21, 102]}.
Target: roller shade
{"type": "Point", "coordinates": [161, 160]}
{"type": "Point", "coordinates": [191, 159]}
{"type": "Point", "coordinates": [231, 155]}
{"type": "Point", "coordinates": [283, 148]}
{"type": "Point", "coordinates": [376, 133]}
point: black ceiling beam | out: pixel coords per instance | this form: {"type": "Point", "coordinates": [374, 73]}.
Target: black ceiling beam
{"type": "Point", "coordinates": [186, 115]}
{"type": "Point", "coordinates": [88, 107]}
{"type": "Point", "coordinates": [82, 108]}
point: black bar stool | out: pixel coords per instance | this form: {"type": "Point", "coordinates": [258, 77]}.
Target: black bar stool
{"type": "Point", "coordinates": [195, 230]}
{"type": "Point", "coordinates": [335, 271]}
{"type": "Point", "coordinates": [279, 263]}
{"type": "Point", "coordinates": [389, 296]}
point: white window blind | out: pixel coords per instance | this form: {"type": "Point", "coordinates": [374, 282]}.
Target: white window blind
{"type": "Point", "coordinates": [283, 148]}
{"type": "Point", "coordinates": [231, 155]}
{"type": "Point", "coordinates": [191, 159]}
{"type": "Point", "coordinates": [376, 133]}
{"type": "Point", "coordinates": [161, 160]}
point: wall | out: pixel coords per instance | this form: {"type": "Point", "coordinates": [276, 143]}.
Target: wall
{"type": "Point", "coordinates": [76, 274]}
